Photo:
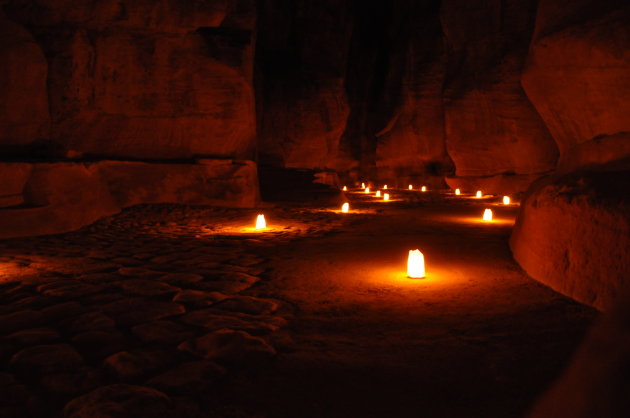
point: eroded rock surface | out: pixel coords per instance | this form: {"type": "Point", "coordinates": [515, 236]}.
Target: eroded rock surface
{"type": "Point", "coordinates": [144, 80]}
{"type": "Point", "coordinates": [573, 234]}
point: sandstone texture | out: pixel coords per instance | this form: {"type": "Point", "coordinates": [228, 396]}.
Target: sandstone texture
{"type": "Point", "coordinates": [577, 71]}
{"type": "Point", "coordinates": [491, 128]}
{"type": "Point", "coordinates": [411, 147]}
{"type": "Point", "coordinates": [24, 114]}
{"type": "Point", "coordinates": [302, 102]}
{"type": "Point", "coordinates": [594, 383]}
{"type": "Point", "coordinates": [573, 234]}
{"type": "Point", "coordinates": [60, 197]}
{"type": "Point", "coordinates": [145, 80]}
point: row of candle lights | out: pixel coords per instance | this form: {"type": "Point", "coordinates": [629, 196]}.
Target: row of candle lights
{"type": "Point", "coordinates": [415, 260]}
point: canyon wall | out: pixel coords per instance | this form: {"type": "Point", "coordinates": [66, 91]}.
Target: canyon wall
{"type": "Point", "coordinates": [146, 80]}
{"type": "Point", "coordinates": [573, 230]}
{"type": "Point", "coordinates": [418, 90]}
{"type": "Point", "coordinates": [491, 127]}
{"type": "Point", "coordinates": [107, 104]}
{"type": "Point", "coordinates": [302, 50]}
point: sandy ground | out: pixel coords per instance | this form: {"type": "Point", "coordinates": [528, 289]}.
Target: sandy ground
{"type": "Point", "coordinates": [164, 308]}
{"type": "Point", "coordinates": [476, 338]}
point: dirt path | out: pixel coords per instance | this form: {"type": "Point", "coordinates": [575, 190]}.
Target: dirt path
{"type": "Point", "coordinates": [173, 311]}
{"type": "Point", "coordinates": [477, 338]}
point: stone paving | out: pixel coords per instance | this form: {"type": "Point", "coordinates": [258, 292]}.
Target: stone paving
{"type": "Point", "coordinates": [140, 312]}
{"type": "Point", "coordinates": [178, 311]}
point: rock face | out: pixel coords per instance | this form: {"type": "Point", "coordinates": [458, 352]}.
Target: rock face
{"type": "Point", "coordinates": [592, 386]}
{"type": "Point", "coordinates": [577, 71]}
{"type": "Point", "coordinates": [23, 98]}
{"type": "Point", "coordinates": [160, 79]}
{"type": "Point", "coordinates": [60, 197]}
{"type": "Point", "coordinates": [411, 147]}
{"type": "Point", "coordinates": [573, 234]}
{"type": "Point", "coordinates": [491, 128]}
{"type": "Point", "coordinates": [302, 105]}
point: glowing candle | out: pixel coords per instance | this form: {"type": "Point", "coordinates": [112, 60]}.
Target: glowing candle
{"type": "Point", "coordinates": [506, 200]}
{"type": "Point", "coordinates": [424, 188]}
{"type": "Point", "coordinates": [367, 190]}
{"type": "Point", "coordinates": [260, 222]}
{"type": "Point", "coordinates": [487, 215]}
{"type": "Point", "coordinates": [363, 185]}
{"type": "Point", "coordinates": [385, 187]}
{"type": "Point", "coordinates": [415, 264]}
{"type": "Point", "coordinates": [410, 187]}
{"type": "Point", "coordinates": [457, 192]}
{"type": "Point", "coordinates": [345, 207]}
{"type": "Point", "coordinates": [478, 195]}
{"type": "Point", "coordinates": [378, 193]}
{"type": "Point", "coordinates": [386, 196]}
{"type": "Point", "coordinates": [345, 188]}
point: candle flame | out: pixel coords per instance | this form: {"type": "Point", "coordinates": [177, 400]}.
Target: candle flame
{"type": "Point", "coordinates": [385, 187]}
{"type": "Point", "coordinates": [457, 192]}
{"type": "Point", "coordinates": [410, 187]}
{"type": "Point", "coordinates": [363, 185]}
{"type": "Point", "coordinates": [260, 222]}
{"type": "Point", "coordinates": [424, 188]}
{"type": "Point", "coordinates": [415, 264]}
{"type": "Point", "coordinates": [487, 215]}
{"type": "Point", "coordinates": [386, 196]}
{"type": "Point", "coordinates": [367, 190]}
{"type": "Point", "coordinates": [478, 195]}
{"type": "Point", "coordinates": [345, 188]}
{"type": "Point", "coordinates": [345, 207]}
{"type": "Point", "coordinates": [506, 200]}
{"type": "Point", "coordinates": [378, 193]}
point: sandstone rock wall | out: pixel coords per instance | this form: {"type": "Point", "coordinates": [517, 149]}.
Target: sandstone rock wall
{"type": "Point", "coordinates": [302, 49]}
{"type": "Point", "coordinates": [411, 148]}
{"type": "Point", "coordinates": [578, 72]}
{"type": "Point", "coordinates": [24, 117]}
{"type": "Point", "coordinates": [148, 80]}
{"type": "Point", "coordinates": [58, 197]}
{"type": "Point", "coordinates": [573, 234]}
{"type": "Point", "coordinates": [491, 128]}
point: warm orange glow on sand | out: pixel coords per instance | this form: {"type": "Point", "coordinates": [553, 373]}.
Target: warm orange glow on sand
{"type": "Point", "coordinates": [386, 196]}
{"type": "Point", "coordinates": [506, 200]}
{"type": "Point", "coordinates": [457, 192]}
{"type": "Point", "coordinates": [378, 193]}
{"type": "Point", "coordinates": [415, 264]}
{"type": "Point", "coordinates": [424, 188]}
{"type": "Point", "coordinates": [478, 194]}
{"type": "Point", "coordinates": [260, 222]}
{"type": "Point", "coordinates": [487, 215]}
{"type": "Point", "coordinates": [345, 208]}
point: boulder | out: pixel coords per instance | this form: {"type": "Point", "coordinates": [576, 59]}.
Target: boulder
{"type": "Point", "coordinates": [573, 234]}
